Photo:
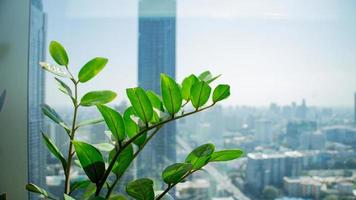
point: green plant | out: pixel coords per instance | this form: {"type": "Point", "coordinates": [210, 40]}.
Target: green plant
{"type": "Point", "coordinates": [130, 132]}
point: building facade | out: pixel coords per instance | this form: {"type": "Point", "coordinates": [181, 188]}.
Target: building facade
{"type": "Point", "coordinates": [156, 55]}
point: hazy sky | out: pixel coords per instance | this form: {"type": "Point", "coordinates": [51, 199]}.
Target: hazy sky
{"type": "Point", "coordinates": [268, 51]}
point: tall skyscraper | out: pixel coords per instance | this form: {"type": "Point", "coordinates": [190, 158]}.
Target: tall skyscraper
{"type": "Point", "coordinates": [37, 151]}
{"type": "Point", "coordinates": [156, 55]}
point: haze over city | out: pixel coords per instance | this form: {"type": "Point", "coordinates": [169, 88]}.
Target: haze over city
{"type": "Point", "coordinates": [270, 51]}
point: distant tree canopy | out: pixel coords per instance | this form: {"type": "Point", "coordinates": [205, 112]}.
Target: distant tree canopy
{"type": "Point", "coordinates": [270, 193]}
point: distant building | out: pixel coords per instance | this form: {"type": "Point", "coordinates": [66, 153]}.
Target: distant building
{"type": "Point", "coordinates": [195, 189]}
{"type": "Point", "coordinates": [305, 187]}
{"type": "Point", "coordinates": [341, 134]}
{"type": "Point", "coordinates": [269, 169]}
{"type": "Point", "coordinates": [355, 109]}
{"type": "Point", "coordinates": [312, 141]}
{"type": "Point", "coordinates": [264, 131]}
{"type": "Point", "coordinates": [295, 130]}
{"type": "Point", "coordinates": [37, 150]}
{"type": "Point", "coordinates": [156, 55]}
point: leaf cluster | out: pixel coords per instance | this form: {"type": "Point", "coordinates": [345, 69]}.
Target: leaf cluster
{"type": "Point", "coordinates": [128, 132]}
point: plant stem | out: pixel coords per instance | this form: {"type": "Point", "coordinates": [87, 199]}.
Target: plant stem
{"type": "Point", "coordinates": [111, 165]}
{"type": "Point", "coordinates": [170, 186]}
{"type": "Point", "coordinates": [72, 133]}
{"type": "Point", "coordinates": [133, 158]}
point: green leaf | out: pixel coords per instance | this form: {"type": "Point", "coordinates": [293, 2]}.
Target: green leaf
{"type": "Point", "coordinates": [171, 94]}
{"type": "Point", "coordinates": [114, 121]}
{"type": "Point", "coordinates": [132, 128]}
{"type": "Point", "coordinates": [89, 191]}
{"type": "Point", "coordinates": [200, 156]}
{"type": "Point", "coordinates": [91, 160]}
{"type": "Point", "coordinates": [199, 94]}
{"type": "Point", "coordinates": [207, 77]}
{"type": "Point", "coordinates": [155, 100]}
{"type": "Point", "coordinates": [221, 92]}
{"type": "Point", "coordinates": [98, 198]}
{"type": "Point", "coordinates": [36, 189]}
{"type": "Point", "coordinates": [141, 103]}
{"type": "Point", "coordinates": [55, 70]}
{"type": "Point", "coordinates": [118, 197]}
{"type": "Point", "coordinates": [91, 69]}
{"type": "Point", "coordinates": [226, 155]}
{"type": "Point", "coordinates": [141, 189]}
{"type": "Point", "coordinates": [54, 150]}
{"type": "Point", "coordinates": [54, 116]}
{"type": "Point", "coordinates": [63, 87]}
{"type": "Point", "coordinates": [174, 173]}
{"type": "Point", "coordinates": [90, 122]}
{"type": "Point", "coordinates": [104, 146]}
{"type": "Point", "coordinates": [97, 97]}
{"type": "Point", "coordinates": [187, 85]}
{"type": "Point", "coordinates": [123, 161]}
{"type": "Point", "coordinates": [58, 53]}
{"type": "Point", "coordinates": [79, 185]}
{"type": "Point", "coordinates": [67, 197]}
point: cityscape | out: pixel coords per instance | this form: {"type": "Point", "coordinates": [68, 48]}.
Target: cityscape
{"type": "Point", "coordinates": [293, 151]}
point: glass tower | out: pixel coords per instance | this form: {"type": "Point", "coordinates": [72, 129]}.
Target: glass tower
{"type": "Point", "coordinates": [37, 152]}
{"type": "Point", "coordinates": [156, 55]}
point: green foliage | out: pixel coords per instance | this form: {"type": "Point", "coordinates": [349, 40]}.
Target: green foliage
{"type": "Point", "coordinates": [221, 92]}
{"type": "Point", "coordinates": [187, 85]}
{"type": "Point", "coordinates": [174, 173]}
{"type": "Point", "coordinates": [123, 161]}
{"type": "Point", "coordinates": [58, 53]}
{"type": "Point", "coordinates": [226, 155]}
{"type": "Point", "coordinates": [114, 121]}
{"type": "Point", "coordinates": [140, 122]}
{"type": "Point", "coordinates": [141, 103]}
{"type": "Point", "coordinates": [200, 156]}
{"type": "Point", "coordinates": [141, 189]}
{"type": "Point", "coordinates": [54, 150]}
{"type": "Point", "coordinates": [91, 160]}
{"type": "Point", "coordinates": [270, 193]}
{"type": "Point", "coordinates": [97, 97]}
{"type": "Point", "coordinates": [171, 94]}
{"type": "Point", "coordinates": [199, 93]}
{"type": "Point", "coordinates": [91, 69]}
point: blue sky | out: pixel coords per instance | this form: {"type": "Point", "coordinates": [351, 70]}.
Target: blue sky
{"type": "Point", "coordinates": [268, 51]}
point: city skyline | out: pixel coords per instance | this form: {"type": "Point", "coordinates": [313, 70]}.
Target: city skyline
{"type": "Point", "coordinates": [268, 52]}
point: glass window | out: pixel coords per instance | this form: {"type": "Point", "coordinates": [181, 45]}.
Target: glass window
{"type": "Point", "coordinates": [290, 64]}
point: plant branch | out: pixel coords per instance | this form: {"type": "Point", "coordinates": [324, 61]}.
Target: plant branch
{"type": "Point", "coordinates": [133, 158]}
{"type": "Point", "coordinates": [170, 186]}
{"type": "Point", "coordinates": [111, 165]}
{"type": "Point", "coordinates": [72, 133]}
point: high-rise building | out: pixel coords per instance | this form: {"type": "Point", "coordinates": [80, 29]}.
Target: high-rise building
{"type": "Point", "coordinates": [156, 55]}
{"type": "Point", "coordinates": [355, 109]}
{"type": "Point", "coordinates": [37, 151]}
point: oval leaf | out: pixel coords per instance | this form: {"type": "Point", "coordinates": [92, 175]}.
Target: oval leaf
{"type": "Point", "coordinates": [141, 189]}
{"type": "Point", "coordinates": [36, 189]}
{"type": "Point", "coordinates": [226, 155]}
{"type": "Point", "coordinates": [54, 116]}
{"type": "Point", "coordinates": [91, 69]}
{"type": "Point", "coordinates": [90, 122]}
{"type": "Point", "coordinates": [200, 156]}
{"type": "Point", "coordinates": [141, 103]}
{"type": "Point", "coordinates": [187, 85]}
{"type": "Point", "coordinates": [155, 100]}
{"type": "Point", "coordinates": [207, 77]}
{"type": "Point", "coordinates": [118, 197]}
{"type": "Point", "coordinates": [123, 161]}
{"type": "Point", "coordinates": [199, 94]}
{"type": "Point", "coordinates": [91, 160]}
{"type": "Point", "coordinates": [174, 173]}
{"type": "Point", "coordinates": [132, 128]}
{"type": "Point", "coordinates": [67, 197]}
{"type": "Point", "coordinates": [114, 121]}
{"type": "Point", "coordinates": [58, 53]}
{"type": "Point", "coordinates": [54, 150]}
{"type": "Point", "coordinates": [221, 92]}
{"type": "Point", "coordinates": [171, 94]}
{"type": "Point", "coordinates": [63, 87]}
{"type": "Point", "coordinates": [97, 97]}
